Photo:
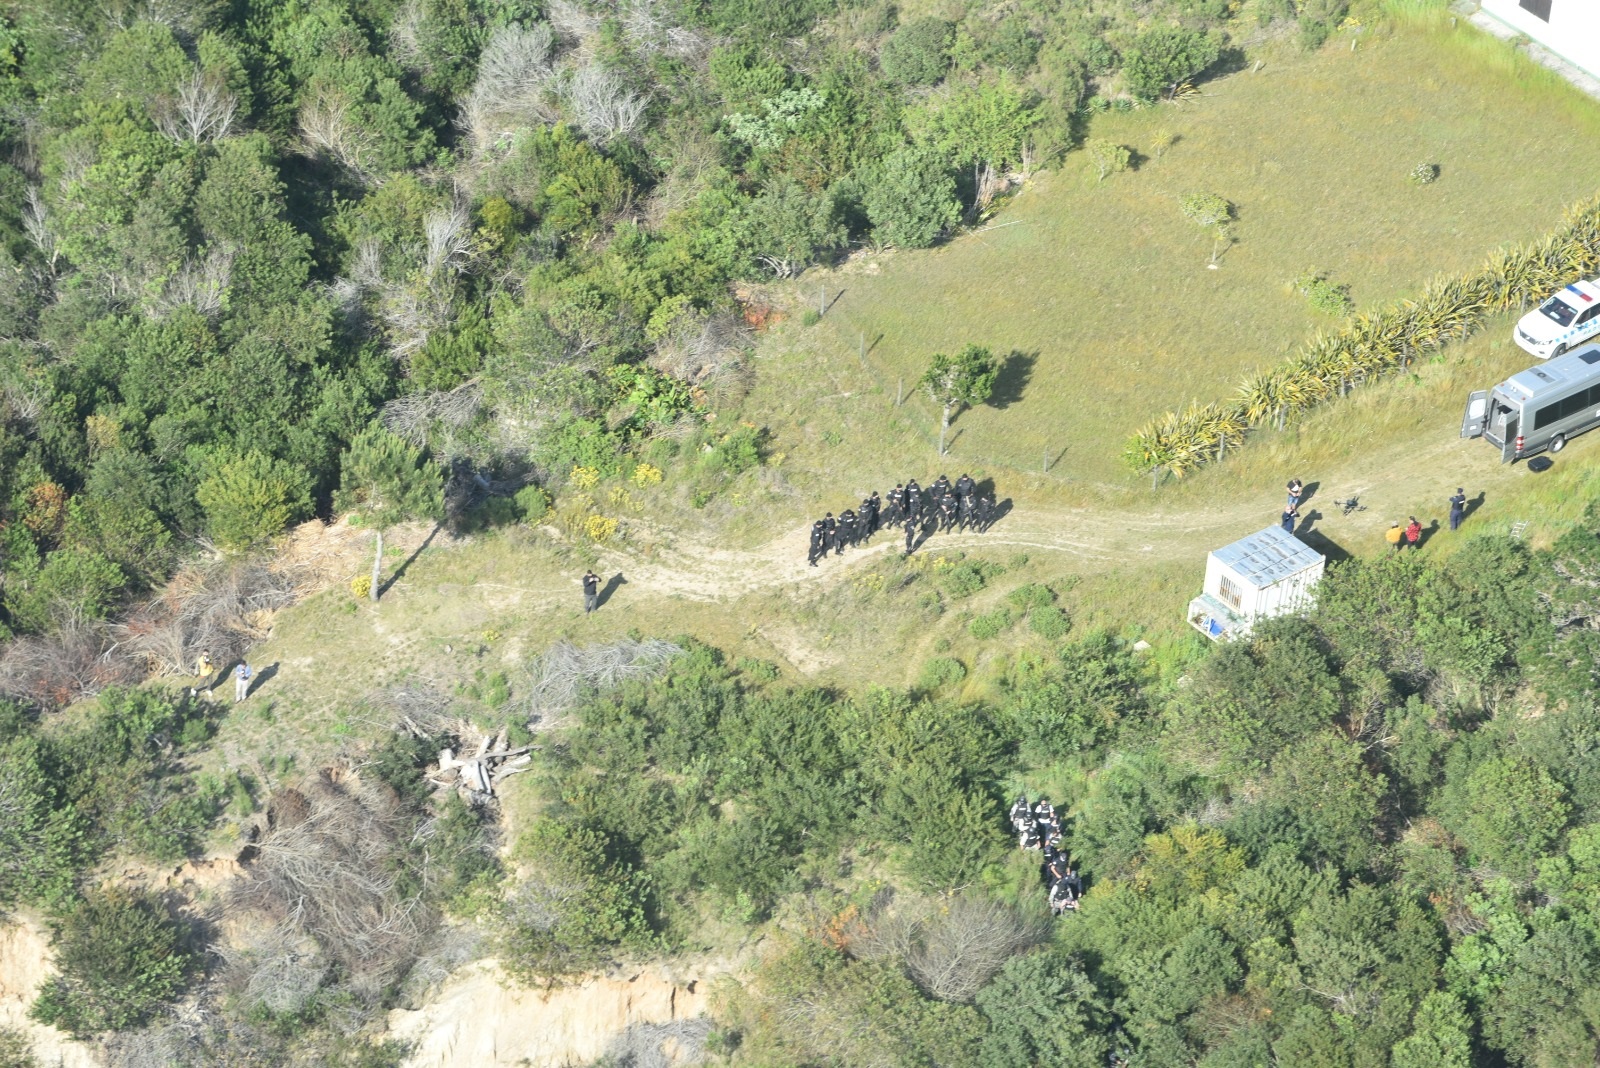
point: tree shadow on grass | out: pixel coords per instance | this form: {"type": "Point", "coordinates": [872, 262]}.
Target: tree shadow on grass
{"type": "Point", "coordinates": [1013, 379]}
{"type": "Point", "coordinates": [401, 570]}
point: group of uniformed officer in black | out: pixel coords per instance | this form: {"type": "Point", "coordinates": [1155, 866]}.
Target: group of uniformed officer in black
{"type": "Point", "coordinates": [942, 506]}
{"type": "Point", "coordinates": [1039, 827]}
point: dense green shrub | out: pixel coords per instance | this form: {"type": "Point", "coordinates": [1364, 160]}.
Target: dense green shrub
{"type": "Point", "coordinates": [251, 498]}
{"type": "Point", "coordinates": [911, 199]}
{"type": "Point", "coordinates": [121, 958]}
{"type": "Point", "coordinates": [1163, 57]}
{"type": "Point", "coordinates": [918, 53]}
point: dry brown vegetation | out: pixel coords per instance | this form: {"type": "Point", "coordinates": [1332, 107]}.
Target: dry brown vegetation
{"type": "Point", "coordinates": [324, 899]}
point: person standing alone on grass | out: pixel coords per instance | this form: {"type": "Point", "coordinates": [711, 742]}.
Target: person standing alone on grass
{"type": "Point", "coordinates": [202, 674]}
{"type": "Point", "coordinates": [1458, 508]}
{"type": "Point", "coordinates": [1295, 488]}
{"type": "Point", "coordinates": [1395, 536]}
{"type": "Point", "coordinates": [1414, 533]}
{"type": "Point", "coordinates": [591, 592]}
{"type": "Point", "coordinates": [241, 681]}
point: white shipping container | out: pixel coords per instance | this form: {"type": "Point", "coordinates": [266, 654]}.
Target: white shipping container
{"type": "Point", "coordinates": [1267, 574]}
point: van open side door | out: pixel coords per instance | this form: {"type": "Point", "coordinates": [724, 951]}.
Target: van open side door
{"type": "Point", "coordinates": [1477, 414]}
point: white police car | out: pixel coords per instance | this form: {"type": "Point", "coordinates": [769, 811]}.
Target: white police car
{"type": "Point", "coordinates": [1571, 316]}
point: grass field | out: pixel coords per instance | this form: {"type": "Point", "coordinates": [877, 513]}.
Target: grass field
{"type": "Point", "coordinates": [1322, 183]}
{"type": "Point", "coordinates": [1102, 288]}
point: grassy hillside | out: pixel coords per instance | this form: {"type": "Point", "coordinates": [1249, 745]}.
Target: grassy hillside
{"type": "Point", "coordinates": [1103, 287]}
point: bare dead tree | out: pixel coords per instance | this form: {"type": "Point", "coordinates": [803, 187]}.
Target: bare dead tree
{"type": "Point", "coordinates": [651, 27]}
{"type": "Point", "coordinates": [199, 284]}
{"type": "Point", "coordinates": [76, 159]}
{"type": "Point", "coordinates": [514, 86]}
{"type": "Point", "coordinates": [366, 270]}
{"type": "Point", "coordinates": [328, 130]}
{"type": "Point", "coordinates": [405, 37]}
{"type": "Point", "coordinates": [602, 106]}
{"type": "Point", "coordinates": [951, 947]}
{"type": "Point", "coordinates": [201, 110]}
{"type": "Point", "coordinates": [704, 349]}
{"type": "Point", "coordinates": [435, 418]}
{"type": "Point", "coordinates": [448, 237]}
{"type": "Point", "coordinates": [24, 398]}
{"type": "Point", "coordinates": [573, 20]}
{"type": "Point", "coordinates": [35, 223]}
{"type": "Point", "coordinates": [962, 945]}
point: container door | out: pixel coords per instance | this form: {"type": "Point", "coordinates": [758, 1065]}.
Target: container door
{"type": "Point", "coordinates": [1477, 414]}
{"type": "Point", "coordinates": [1508, 451]}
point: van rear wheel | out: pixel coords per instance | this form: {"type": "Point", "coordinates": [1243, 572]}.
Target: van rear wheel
{"type": "Point", "coordinates": [1558, 443]}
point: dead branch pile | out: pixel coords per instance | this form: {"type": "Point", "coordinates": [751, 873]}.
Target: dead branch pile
{"type": "Point", "coordinates": [664, 1045]}
{"type": "Point", "coordinates": [420, 709]}
{"type": "Point", "coordinates": [54, 670]}
{"type": "Point", "coordinates": [566, 674]}
{"type": "Point", "coordinates": [219, 608]}
{"type": "Point", "coordinates": [324, 892]}
{"type": "Point", "coordinates": [454, 946]}
{"type": "Point", "coordinates": [706, 350]}
{"type": "Point", "coordinates": [474, 772]}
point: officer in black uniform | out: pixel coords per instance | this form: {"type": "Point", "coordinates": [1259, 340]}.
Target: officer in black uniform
{"type": "Point", "coordinates": [965, 487]}
{"type": "Point", "coordinates": [869, 512]}
{"type": "Point", "coordinates": [947, 510]}
{"type": "Point", "coordinates": [913, 501]}
{"type": "Point", "coordinates": [967, 511]}
{"type": "Point", "coordinates": [847, 530]}
{"type": "Point", "coordinates": [985, 512]}
{"type": "Point", "coordinates": [940, 487]}
{"type": "Point", "coordinates": [830, 533]}
{"type": "Point", "coordinates": [896, 502]}
{"type": "Point", "coordinates": [819, 543]}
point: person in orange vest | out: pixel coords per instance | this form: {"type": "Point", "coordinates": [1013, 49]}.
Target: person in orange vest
{"type": "Point", "coordinates": [1395, 536]}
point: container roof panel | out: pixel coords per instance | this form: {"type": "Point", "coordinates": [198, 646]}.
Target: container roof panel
{"type": "Point", "coordinates": [1267, 556]}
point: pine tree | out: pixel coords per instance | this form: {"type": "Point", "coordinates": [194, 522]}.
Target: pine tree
{"type": "Point", "coordinates": [388, 481]}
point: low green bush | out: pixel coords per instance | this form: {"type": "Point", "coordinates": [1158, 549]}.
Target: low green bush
{"type": "Point", "coordinates": [940, 672]}
{"type": "Point", "coordinates": [16, 1050]}
{"type": "Point", "coordinates": [532, 503]}
{"type": "Point", "coordinates": [1325, 296]}
{"type": "Point", "coordinates": [990, 625]}
{"type": "Point", "coordinates": [1030, 596]}
{"type": "Point", "coordinates": [1048, 622]}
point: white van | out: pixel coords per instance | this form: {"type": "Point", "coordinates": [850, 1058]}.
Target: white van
{"type": "Point", "coordinates": [1569, 317]}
